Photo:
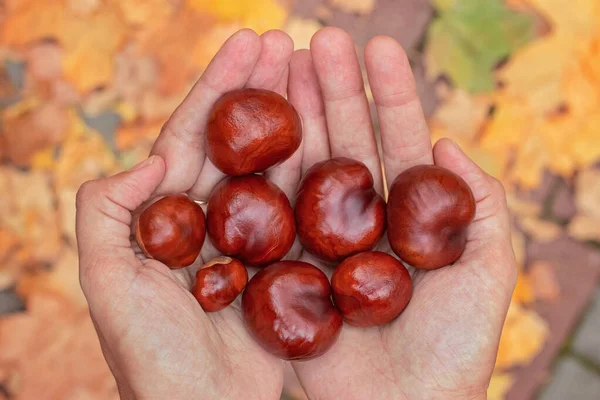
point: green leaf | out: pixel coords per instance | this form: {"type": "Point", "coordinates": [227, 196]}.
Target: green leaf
{"type": "Point", "coordinates": [470, 37]}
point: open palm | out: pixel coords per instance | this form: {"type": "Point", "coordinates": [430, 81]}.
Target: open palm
{"type": "Point", "coordinates": [444, 344]}
{"type": "Point", "coordinates": [157, 340]}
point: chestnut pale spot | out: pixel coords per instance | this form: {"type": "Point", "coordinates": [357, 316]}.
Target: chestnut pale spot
{"type": "Point", "coordinates": [429, 210]}
{"type": "Point", "coordinates": [172, 231]}
{"type": "Point", "coordinates": [251, 130]}
{"type": "Point", "coordinates": [371, 288]}
{"type": "Point", "coordinates": [250, 218]}
{"type": "Point", "coordinates": [287, 309]}
{"type": "Point", "coordinates": [338, 212]}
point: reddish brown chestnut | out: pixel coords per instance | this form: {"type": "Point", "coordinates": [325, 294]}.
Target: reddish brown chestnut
{"type": "Point", "coordinates": [251, 219]}
{"type": "Point", "coordinates": [219, 282]}
{"type": "Point", "coordinates": [338, 212]}
{"type": "Point", "coordinates": [172, 231]}
{"type": "Point", "coordinates": [371, 288]}
{"type": "Point", "coordinates": [287, 308]}
{"type": "Point", "coordinates": [429, 210]}
{"type": "Point", "coordinates": [250, 130]}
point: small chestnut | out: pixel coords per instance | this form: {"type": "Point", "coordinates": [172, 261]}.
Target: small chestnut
{"type": "Point", "coordinates": [251, 219]}
{"type": "Point", "coordinates": [219, 282]}
{"type": "Point", "coordinates": [287, 309]}
{"type": "Point", "coordinates": [172, 231]}
{"type": "Point", "coordinates": [371, 288]}
{"type": "Point", "coordinates": [429, 210]}
{"type": "Point", "coordinates": [338, 212]}
{"type": "Point", "coordinates": [250, 130]}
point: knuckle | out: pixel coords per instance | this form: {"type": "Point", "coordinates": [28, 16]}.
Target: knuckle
{"type": "Point", "coordinates": [86, 192]}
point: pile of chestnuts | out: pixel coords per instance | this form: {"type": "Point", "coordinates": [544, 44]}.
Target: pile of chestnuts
{"type": "Point", "coordinates": [290, 307]}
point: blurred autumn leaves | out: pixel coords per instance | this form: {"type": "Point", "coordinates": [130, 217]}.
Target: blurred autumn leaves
{"type": "Point", "coordinates": [85, 86]}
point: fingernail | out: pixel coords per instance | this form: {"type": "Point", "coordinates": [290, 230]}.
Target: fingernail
{"type": "Point", "coordinates": [148, 161]}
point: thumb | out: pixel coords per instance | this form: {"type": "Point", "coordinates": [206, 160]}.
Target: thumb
{"type": "Point", "coordinates": [103, 218]}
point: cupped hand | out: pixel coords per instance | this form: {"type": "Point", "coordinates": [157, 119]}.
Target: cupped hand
{"type": "Point", "coordinates": [157, 340]}
{"type": "Point", "coordinates": [443, 346]}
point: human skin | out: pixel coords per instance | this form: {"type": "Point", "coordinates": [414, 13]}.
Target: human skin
{"type": "Point", "coordinates": [160, 344]}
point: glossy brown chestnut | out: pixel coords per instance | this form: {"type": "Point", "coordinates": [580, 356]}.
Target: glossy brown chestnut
{"type": "Point", "coordinates": [429, 210]}
{"type": "Point", "coordinates": [219, 282]}
{"type": "Point", "coordinates": [371, 288]}
{"type": "Point", "coordinates": [172, 231]}
{"type": "Point", "coordinates": [287, 308]}
{"type": "Point", "coordinates": [250, 130]}
{"type": "Point", "coordinates": [250, 218]}
{"type": "Point", "coordinates": [338, 212]}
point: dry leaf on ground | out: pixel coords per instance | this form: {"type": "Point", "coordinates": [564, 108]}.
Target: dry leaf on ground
{"type": "Point", "coordinates": [44, 361]}
{"type": "Point", "coordinates": [544, 281]}
{"type": "Point", "coordinates": [499, 386]}
{"type": "Point", "coordinates": [301, 30]}
{"type": "Point", "coordinates": [540, 230]}
{"type": "Point", "coordinates": [361, 7]}
{"type": "Point", "coordinates": [523, 337]}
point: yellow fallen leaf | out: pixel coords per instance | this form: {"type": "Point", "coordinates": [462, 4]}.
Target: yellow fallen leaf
{"type": "Point", "coordinates": [361, 7]}
{"type": "Point", "coordinates": [521, 207]}
{"type": "Point", "coordinates": [540, 230]}
{"type": "Point", "coordinates": [301, 30]}
{"type": "Point", "coordinates": [587, 196]}
{"type": "Point", "coordinates": [583, 227]}
{"type": "Point", "coordinates": [500, 384]}
{"type": "Point", "coordinates": [523, 337]}
{"type": "Point", "coordinates": [257, 15]}
{"type": "Point", "coordinates": [462, 115]}
{"type": "Point", "coordinates": [573, 18]}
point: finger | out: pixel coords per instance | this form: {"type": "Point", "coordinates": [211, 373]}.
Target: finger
{"type": "Point", "coordinates": [104, 210]}
{"type": "Point", "coordinates": [277, 49]}
{"type": "Point", "coordinates": [404, 134]}
{"type": "Point", "coordinates": [346, 105]}
{"type": "Point", "coordinates": [181, 142]}
{"type": "Point", "coordinates": [305, 95]}
{"type": "Point", "coordinates": [489, 239]}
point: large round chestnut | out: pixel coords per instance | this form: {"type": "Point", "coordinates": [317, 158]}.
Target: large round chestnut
{"type": "Point", "coordinates": [250, 130]}
{"type": "Point", "coordinates": [287, 309]}
{"type": "Point", "coordinates": [338, 212]}
{"type": "Point", "coordinates": [251, 219]}
{"type": "Point", "coordinates": [371, 288]}
{"type": "Point", "coordinates": [219, 282]}
{"type": "Point", "coordinates": [429, 210]}
{"type": "Point", "coordinates": [172, 231]}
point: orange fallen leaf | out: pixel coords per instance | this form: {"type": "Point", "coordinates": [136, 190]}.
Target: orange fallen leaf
{"type": "Point", "coordinates": [523, 293]}
{"type": "Point", "coordinates": [523, 337]}
{"type": "Point", "coordinates": [30, 128]}
{"type": "Point", "coordinates": [178, 46]}
{"type": "Point", "coordinates": [44, 360]}
{"type": "Point", "coordinates": [129, 136]}
{"type": "Point", "coordinates": [301, 30]}
{"type": "Point", "coordinates": [144, 12]}
{"type": "Point", "coordinates": [543, 280]}
{"type": "Point", "coordinates": [62, 280]}
{"type": "Point", "coordinates": [27, 210]}
{"type": "Point", "coordinates": [103, 30]}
